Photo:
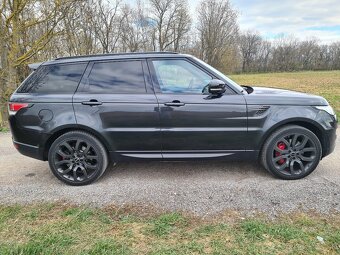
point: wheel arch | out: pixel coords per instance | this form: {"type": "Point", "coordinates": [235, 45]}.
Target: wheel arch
{"type": "Point", "coordinates": [309, 124]}
{"type": "Point", "coordinates": [64, 129]}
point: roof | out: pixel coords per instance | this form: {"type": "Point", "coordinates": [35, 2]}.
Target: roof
{"type": "Point", "coordinates": [109, 56]}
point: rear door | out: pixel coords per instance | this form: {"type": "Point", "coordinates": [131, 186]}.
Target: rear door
{"type": "Point", "coordinates": [195, 124]}
{"type": "Point", "coordinates": [116, 99]}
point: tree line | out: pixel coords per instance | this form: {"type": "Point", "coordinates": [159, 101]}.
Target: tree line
{"type": "Point", "coordinates": [38, 30]}
{"type": "Point", "coordinates": [286, 54]}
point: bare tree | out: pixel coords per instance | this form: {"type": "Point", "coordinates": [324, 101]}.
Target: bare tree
{"type": "Point", "coordinates": [137, 28]}
{"type": "Point", "coordinates": [334, 52]}
{"type": "Point", "coordinates": [218, 29]}
{"type": "Point", "coordinates": [171, 21]}
{"type": "Point", "coordinates": [308, 54]}
{"type": "Point", "coordinates": [250, 44]}
{"type": "Point", "coordinates": [107, 22]}
{"type": "Point", "coordinates": [79, 32]}
{"type": "Point", "coordinates": [181, 26]}
{"type": "Point", "coordinates": [263, 57]}
{"type": "Point", "coordinates": [284, 56]}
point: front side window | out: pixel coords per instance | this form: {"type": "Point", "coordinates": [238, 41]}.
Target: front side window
{"type": "Point", "coordinates": [180, 76]}
{"type": "Point", "coordinates": [116, 77]}
{"type": "Point", "coordinates": [54, 79]}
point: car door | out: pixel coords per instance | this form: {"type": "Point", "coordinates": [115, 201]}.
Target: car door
{"type": "Point", "coordinates": [116, 99]}
{"type": "Point", "coordinates": [194, 124]}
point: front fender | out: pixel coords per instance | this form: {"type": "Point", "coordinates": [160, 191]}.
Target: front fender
{"type": "Point", "coordinates": [261, 126]}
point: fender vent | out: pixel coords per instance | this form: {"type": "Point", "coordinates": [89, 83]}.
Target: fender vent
{"type": "Point", "coordinates": [261, 110]}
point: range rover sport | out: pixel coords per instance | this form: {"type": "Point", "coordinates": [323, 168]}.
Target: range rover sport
{"type": "Point", "coordinates": [83, 113]}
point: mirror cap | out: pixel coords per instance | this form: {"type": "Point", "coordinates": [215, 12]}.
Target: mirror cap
{"type": "Point", "coordinates": [217, 87]}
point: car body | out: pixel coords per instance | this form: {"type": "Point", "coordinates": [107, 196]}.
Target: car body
{"type": "Point", "coordinates": [158, 106]}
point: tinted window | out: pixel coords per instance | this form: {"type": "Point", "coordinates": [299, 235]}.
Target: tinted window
{"type": "Point", "coordinates": [54, 79]}
{"type": "Point", "coordinates": [180, 76]}
{"type": "Point", "coordinates": [117, 77]}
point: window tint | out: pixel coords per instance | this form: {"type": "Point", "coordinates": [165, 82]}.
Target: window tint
{"type": "Point", "coordinates": [54, 79]}
{"type": "Point", "coordinates": [117, 77]}
{"type": "Point", "coordinates": [180, 76]}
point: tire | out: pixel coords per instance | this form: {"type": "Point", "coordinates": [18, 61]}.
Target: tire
{"type": "Point", "coordinates": [291, 152]}
{"type": "Point", "coordinates": [77, 158]}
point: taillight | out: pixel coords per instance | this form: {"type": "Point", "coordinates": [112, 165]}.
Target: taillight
{"type": "Point", "coordinates": [14, 107]}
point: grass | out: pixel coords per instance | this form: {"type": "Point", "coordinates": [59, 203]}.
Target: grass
{"type": "Point", "coordinates": [64, 229]}
{"type": "Point", "coordinates": [323, 83]}
{"type": "Point", "coordinates": [4, 129]}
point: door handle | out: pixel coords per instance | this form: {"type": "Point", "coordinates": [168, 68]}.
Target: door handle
{"type": "Point", "coordinates": [175, 103]}
{"type": "Point", "coordinates": [92, 102]}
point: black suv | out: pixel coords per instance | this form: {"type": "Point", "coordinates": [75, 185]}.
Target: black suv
{"type": "Point", "coordinates": [80, 113]}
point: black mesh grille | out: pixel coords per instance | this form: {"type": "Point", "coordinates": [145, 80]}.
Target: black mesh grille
{"type": "Point", "coordinates": [261, 110]}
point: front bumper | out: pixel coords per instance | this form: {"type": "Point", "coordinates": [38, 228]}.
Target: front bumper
{"type": "Point", "coordinates": [327, 126]}
{"type": "Point", "coordinates": [329, 141]}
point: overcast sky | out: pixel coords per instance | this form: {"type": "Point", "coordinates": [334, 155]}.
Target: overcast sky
{"type": "Point", "coordinates": [301, 18]}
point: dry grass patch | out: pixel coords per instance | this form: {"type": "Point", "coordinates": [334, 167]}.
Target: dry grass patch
{"type": "Point", "coordinates": [66, 229]}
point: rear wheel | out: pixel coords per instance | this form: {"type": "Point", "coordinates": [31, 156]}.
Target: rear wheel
{"type": "Point", "coordinates": [77, 158]}
{"type": "Point", "coordinates": [292, 152]}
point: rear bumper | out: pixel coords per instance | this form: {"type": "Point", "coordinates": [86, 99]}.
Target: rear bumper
{"type": "Point", "coordinates": [29, 150]}
{"type": "Point", "coordinates": [28, 142]}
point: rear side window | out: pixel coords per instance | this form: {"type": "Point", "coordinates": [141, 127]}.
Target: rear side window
{"type": "Point", "coordinates": [116, 77]}
{"type": "Point", "coordinates": [54, 79]}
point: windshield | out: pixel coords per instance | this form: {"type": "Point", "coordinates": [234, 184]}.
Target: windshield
{"type": "Point", "coordinates": [234, 84]}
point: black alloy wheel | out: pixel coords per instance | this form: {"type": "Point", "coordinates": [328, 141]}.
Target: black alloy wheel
{"type": "Point", "coordinates": [77, 158]}
{"type": "Point", "coordinates": [291, 152]}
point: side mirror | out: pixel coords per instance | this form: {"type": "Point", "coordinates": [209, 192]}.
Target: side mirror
{"type": "Point", "coordinates": [215, 87]}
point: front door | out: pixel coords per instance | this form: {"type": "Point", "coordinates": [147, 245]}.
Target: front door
{"type": "Point", "coordinates": [195, 124]}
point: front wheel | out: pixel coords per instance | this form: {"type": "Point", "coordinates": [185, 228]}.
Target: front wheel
{"type": "Point", "coordinates": [292, 152]}
{"type": "Point", "coordinates": [77, 158]}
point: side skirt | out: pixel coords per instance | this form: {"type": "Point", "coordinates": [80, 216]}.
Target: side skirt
{"type": "Point", "coordinates": [183, 155]}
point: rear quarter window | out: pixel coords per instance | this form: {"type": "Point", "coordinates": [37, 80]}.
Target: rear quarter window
{"type": "Point", "coordinates": [54, 79]}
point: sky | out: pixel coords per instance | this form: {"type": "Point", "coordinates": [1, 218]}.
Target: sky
{"type": "Point", "coordinates": [303, 19]}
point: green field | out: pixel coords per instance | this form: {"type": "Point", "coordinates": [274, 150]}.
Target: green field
{"type": "Point", "coordinates": [323, 83]}
{"type": "Point", "coordinates": [62, 229]}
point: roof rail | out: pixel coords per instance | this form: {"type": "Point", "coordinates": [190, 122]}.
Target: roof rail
{"type": "Point", "coordinates": [118, 54]}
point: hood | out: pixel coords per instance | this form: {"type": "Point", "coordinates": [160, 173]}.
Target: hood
{"type": "Point", "coordinates": [263, 95]}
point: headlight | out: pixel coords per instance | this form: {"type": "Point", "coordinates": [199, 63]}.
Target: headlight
{"type": "Point", "coordinates": [327, 108]}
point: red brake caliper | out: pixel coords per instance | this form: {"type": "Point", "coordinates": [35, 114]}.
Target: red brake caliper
{"type": "Point", "coordinates": [281, 146]}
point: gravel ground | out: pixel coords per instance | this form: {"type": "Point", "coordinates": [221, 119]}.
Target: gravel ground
{"type": "Point", "coordinates": [202, 188]}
